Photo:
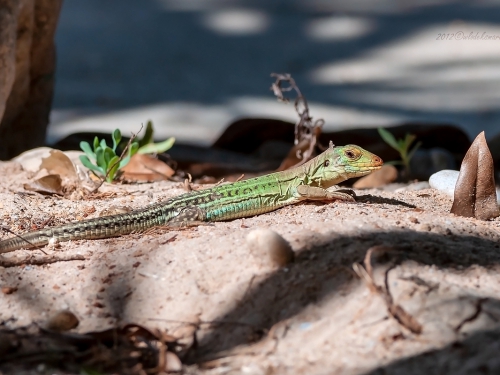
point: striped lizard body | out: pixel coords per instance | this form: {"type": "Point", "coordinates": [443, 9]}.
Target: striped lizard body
{"type": "Point", "coordinates": [314, 180]}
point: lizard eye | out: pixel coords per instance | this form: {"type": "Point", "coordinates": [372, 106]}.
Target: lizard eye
{"type": "Point", "coordinates": [326, 163]}
{"type": "Point", "coordinates": [350, 154]}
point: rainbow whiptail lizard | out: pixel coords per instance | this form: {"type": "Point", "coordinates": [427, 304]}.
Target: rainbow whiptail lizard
{"type": "Point", "coordinates": [313, 180]}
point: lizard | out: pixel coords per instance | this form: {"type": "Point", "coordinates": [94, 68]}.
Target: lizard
{"type": "Point", "coordinates": [315, 180]}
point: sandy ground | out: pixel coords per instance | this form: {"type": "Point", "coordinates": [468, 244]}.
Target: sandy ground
{"type": "Point", "coordinates": [314, 316]}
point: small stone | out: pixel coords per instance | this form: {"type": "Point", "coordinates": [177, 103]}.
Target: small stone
{"type": "Point", "coordinates": [269, 246]}
{"type": "Point", "coordinates": [423, 227]}
{"type": "Point", "coordinates": [172, 362]}
{"type": "Point", "coordinates": [63, 320]}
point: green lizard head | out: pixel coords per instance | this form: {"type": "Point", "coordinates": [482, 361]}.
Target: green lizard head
{"type": "Point", "coordinates": [341, 163]}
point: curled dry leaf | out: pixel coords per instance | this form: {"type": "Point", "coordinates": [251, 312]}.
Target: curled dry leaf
{"type": "Point", "coordinates": [59, 163]}
{"type": "Point", "coordinates": [51, 184]}
{"type": "Point", "coordinates": [475, 193]}
{"type": "Point", "coordinates": [146, 168]}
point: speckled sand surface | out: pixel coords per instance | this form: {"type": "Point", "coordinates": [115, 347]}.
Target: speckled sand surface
{"type": "Point", "coordinates": [313, 317]}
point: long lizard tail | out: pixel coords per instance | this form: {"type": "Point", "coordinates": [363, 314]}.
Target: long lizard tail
{"type": "Point", "coordinates": [101, 227]}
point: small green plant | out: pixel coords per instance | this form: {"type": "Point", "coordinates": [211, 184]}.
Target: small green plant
{"type": "Point", "coordinates": [402, 146]}
{"type": "Point", "coordinates": [103, 159]}
{"type": "Point", "coordinates": [146, 145]}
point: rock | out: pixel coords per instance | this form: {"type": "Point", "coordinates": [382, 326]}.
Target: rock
{"type": "Point", "coordinates": [172, 363]}
{"type": "Point", "coordinates": [270, 247]}
{"type": "Point", "coordinates": [62, 321]}
{"type": "Point", "coordinates": [446, 180]}
{"type": "Point", "coordinates": [387, 174]}
{"type": "Point", "coordinates": [27, 57]}
{"type": "Point", "coordinates": [426, 162]}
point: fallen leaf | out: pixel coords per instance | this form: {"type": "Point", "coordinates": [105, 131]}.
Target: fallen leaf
{"type": "Point", "coordinates": [299, 154]}
{"type": "Point", "coordinates": [51, 184]}
{"type": "Point", "coordinates": [59, 163]}
{"type": "Point", "coordinates": [387, 174]}
{"type": "Point", "coordinates": [475, 193]}
{"type": "Point", "coordinates": [146, 168]}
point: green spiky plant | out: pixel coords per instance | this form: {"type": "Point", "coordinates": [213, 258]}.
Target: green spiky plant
{"type": "Point", "coordinates": [402, 146]}
{"type": "Point", "coordinates": [147, 146]}
{"type": "Point", "coordinates": [104, 160]}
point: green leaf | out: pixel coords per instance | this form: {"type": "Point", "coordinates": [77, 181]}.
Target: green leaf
{"type": "Point", "coordinates": [103, 144]}
{"type": "Point", "coordinates": [148, 135]}
{"type": "Point", "coordinates": [99, 155]}
{"type": "Point", "coordinates": [388, 138]}
{"type": "Point", "coordinates": [131, 151]}
{"type": "Point", "coordinates": [108, 155]}
{"type": "Point", "coordinates": [88, 151]}
{"type": "Point", "coordinates": [113, 167]}
{"type": "Point", "coordinates": [96, 143]}
{"type": "Point", "coordinates": [117, 136]}
{"type": "Point", "coordinates": [409, 138]}
{"type": "Point", "coordinates": [87, 163]}
{"type": "Point", "coordinates": [157, 148]}
{"type": "Point", "coordinates": [415, 148]}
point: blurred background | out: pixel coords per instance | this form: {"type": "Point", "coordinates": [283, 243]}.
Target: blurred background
{"type": "Point", "coordinates": [193, 66]}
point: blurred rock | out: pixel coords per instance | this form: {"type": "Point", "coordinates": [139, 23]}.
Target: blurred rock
{"type": "Point", "coordinates": [27, 58]}
{"type": "Point", "coordinates": [61, 321]}
{"type": "Point", "coordinates": [426, 162]}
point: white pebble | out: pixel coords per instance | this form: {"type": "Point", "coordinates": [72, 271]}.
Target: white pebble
{"type": "Point", "coordinates": [270, 247]}
{"type": "Point", "coordinates": [446, 180]}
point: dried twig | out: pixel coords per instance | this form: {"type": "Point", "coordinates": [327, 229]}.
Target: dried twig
{"type": "Point", "coordinates": [40, 261]}
{"type": "Point", "coordinates": [187, 183]}
{"type": "Point", "coordinates": [306, 131]}
{"type": "Point", "coordinates": [397, 312]}
{"type": "Point", "coordinates": [22, 238]}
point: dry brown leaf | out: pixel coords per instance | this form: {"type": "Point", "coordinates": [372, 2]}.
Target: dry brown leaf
{"type": "Point", "coordinates": [146, 168]}
{"type": "Point", "coordinates": [59, 163]}
{"type": "Point", "coordinates": [475, 193]}
{"type": "Point", "coordinates": [51, 184]}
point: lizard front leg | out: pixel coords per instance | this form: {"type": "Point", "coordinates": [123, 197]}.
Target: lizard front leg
{"type": "Point", "coordinates": [314, 193]}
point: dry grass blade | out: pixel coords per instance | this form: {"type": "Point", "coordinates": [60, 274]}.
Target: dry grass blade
{"type": "Point", "coordinates": [475, 193]}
